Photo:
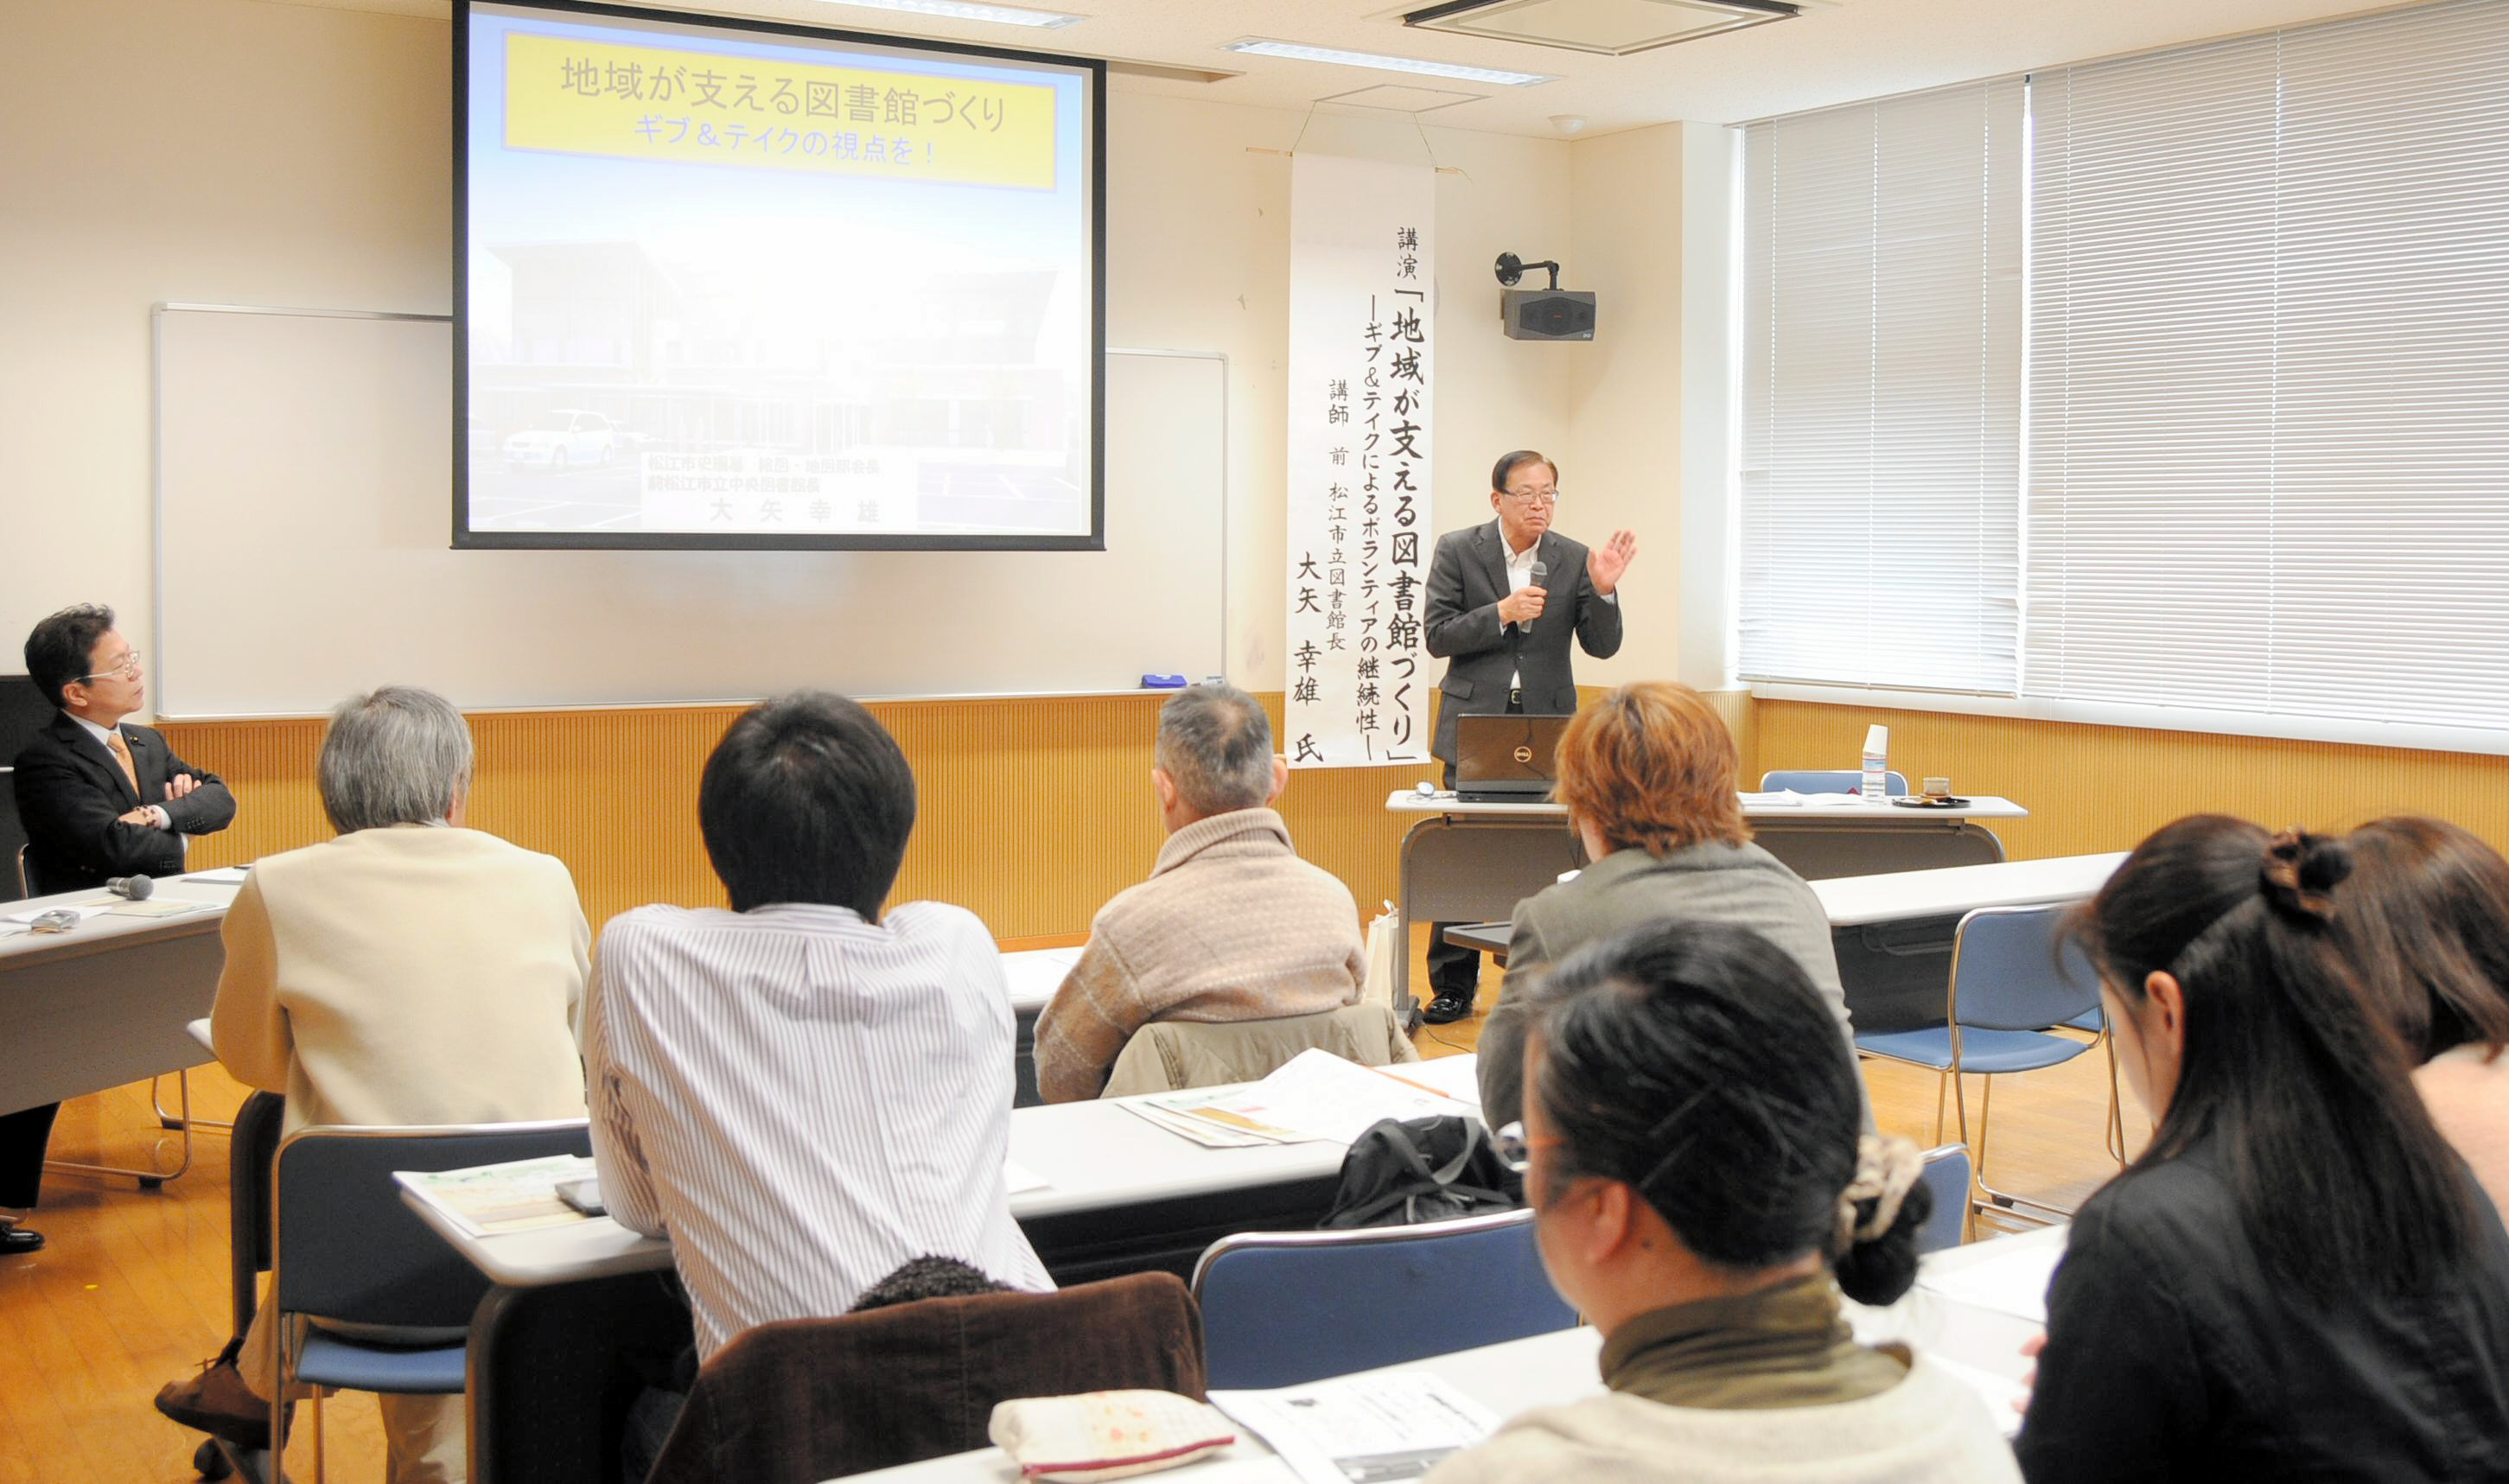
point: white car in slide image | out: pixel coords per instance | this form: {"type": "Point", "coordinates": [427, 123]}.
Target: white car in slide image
{"type": "Point", "coordinates": [566, 438]}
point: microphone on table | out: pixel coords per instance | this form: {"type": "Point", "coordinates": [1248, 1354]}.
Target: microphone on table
{"type": "Point", "coordinates": [134, 888]}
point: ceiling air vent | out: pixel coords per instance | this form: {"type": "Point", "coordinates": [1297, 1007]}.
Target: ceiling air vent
{"type": "Point", "coordinates": [1609, 28]}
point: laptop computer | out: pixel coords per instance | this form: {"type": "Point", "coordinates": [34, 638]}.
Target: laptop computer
{"type": "Point", "coordinates": [1507, 759]}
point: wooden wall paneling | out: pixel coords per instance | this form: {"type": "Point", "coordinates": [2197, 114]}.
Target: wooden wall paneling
{"type": "Point", "coordinates": [2105, 787]}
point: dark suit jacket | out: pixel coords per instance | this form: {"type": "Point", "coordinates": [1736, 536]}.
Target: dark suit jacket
{"type": "Point", "coordinates": [71, 796]}
{"type": "Point", "coordinates": [1467, 578]}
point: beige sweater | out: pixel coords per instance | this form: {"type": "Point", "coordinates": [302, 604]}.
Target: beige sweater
{"type": "Point", "coordinates": [1928, 1430]}
{"type": "Point", "coordinates": [1230, 926]}
{"type": "Point", "coordinates": [2468, 1097]}
{"type": "Point", "coordinates": [412, 975]}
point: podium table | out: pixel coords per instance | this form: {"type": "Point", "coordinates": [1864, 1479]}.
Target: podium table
{"type": "Point", "coordinates": [1473, 862]}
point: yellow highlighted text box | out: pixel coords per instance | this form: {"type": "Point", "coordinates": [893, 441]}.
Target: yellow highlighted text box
{"type": "Point", "coordinates": [582, 98]}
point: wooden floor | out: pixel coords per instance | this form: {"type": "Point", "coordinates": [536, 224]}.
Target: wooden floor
{"type": "Point", "coordinates": [133, 1291]}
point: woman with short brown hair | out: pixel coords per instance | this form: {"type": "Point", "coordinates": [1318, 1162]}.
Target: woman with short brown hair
{"type": "Point", "coordinates": [1648, 776]}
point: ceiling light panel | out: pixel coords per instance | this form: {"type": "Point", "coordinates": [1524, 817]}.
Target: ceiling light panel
{"type": "Point", "coordinates": [1257, 46]}
{"type": "Point", "coordinates": [969, 10]}
{"type": "Point", "coordinates": [1607, 27]}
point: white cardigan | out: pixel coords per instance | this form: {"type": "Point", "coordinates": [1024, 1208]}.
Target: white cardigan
{"type": "Point", "coordinates": [1928, 1430]}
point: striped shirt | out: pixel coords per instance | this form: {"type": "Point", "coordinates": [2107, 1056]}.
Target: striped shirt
{"type": "Point", "coordinates": [802, 1101]}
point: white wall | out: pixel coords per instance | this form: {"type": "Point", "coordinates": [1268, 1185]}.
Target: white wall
{"type": "Point", "coordinates": [235, 151]}
{"type": "Point", "coordinates": [209, 149]}
{"type": "Point", "coordinates": [1622, 467]}
{"type": "Point", "coordinates": [1198, 243]}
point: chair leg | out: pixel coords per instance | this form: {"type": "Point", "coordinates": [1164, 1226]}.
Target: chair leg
{"type": "Point", "coordinates": [278, 1401]}
{"type": "Point", "coordinates": [2117, 1109]}
{"type": "Point", "coordinates": [1942, 1081]}
{"type": "Point", "coordinates": [149, 1178]}
{"type": "Point", "coordinates": [319, 1475]}
{"type": "Point", "coordinates": [2025, 1207]}
{"type": "Point", "coordinates": [173, 1120]}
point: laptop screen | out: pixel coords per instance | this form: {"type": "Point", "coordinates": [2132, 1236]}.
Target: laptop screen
{"type": "Point", "coordinates": [1507, 754]}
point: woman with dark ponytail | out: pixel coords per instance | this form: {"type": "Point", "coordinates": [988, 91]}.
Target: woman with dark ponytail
{"type": "Point", "coordinates": [2298, 1280]}
{"type": "Point", "coordinates": [1693, 1141]}
{"type": "Point", "coordinates": [2434, 906]}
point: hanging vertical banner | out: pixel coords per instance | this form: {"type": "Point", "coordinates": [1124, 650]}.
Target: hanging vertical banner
{"type": "Point", "coordinates": [1362, 308]}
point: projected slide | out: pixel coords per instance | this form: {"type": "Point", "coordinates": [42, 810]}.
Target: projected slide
{"type": "Point", "coordinates": [730, 287]}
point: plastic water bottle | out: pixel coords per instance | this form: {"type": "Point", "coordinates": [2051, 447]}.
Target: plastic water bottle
{"type": "Point", "coordinates": [1877, 763]}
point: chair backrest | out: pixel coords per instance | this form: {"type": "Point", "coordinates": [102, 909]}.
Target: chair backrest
{"type": "Point", "coordinates": [1829, 780]}
{"type": "Point", "coordinates": [344, 1246]}
{"type": "Point", "coordinates": [1171, 1056]}
{"type": "Point", "coordinates": [1947, 1175]}
{"type": "Point", "coordinates": [789, 1403]}
{"type": "Point", "coordinates": [1282, 1307]}
{"type": "Point", "coordinates": [2010, 973]}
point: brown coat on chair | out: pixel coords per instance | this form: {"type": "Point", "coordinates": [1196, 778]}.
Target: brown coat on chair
{"type": "Point", "coordinates": [802, 1400]}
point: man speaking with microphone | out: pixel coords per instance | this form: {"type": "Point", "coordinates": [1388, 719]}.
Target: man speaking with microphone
{"type": "Point", "coordinates": [1504, 599]}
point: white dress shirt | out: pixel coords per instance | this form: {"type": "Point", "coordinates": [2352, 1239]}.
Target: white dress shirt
{"type": "Point", "coordinates": [803, 1102]}
{"type": "Point", "coordinates": [1519, 577]}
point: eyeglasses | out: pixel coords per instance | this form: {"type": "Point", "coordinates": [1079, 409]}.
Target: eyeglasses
{"type": "Point", "coordinates": [1534, 497]}
{"type": "Point", "coordinates": [129, 667]}
{"type": "Point", "coordinates": [1514, 1149]}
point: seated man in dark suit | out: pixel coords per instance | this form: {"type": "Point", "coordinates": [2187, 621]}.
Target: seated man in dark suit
{"type": "Point", "coordinates": [99, 797]}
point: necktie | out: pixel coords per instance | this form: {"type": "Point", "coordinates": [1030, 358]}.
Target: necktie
{"type": "Point", "coordinates": [122, 755]}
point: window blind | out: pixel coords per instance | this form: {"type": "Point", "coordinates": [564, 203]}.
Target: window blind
{"type": "Point", "coordinates": [2270, 374]}
{"type": "Point", "coordinates": [1881, 390]}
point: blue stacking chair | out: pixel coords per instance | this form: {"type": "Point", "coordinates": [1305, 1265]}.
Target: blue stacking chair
{"type": "Point", "coordinates": [1947, 1175]}
{"type": "Point", "coordinates": [1844, 780]}
{"type": "Point", "coordinates": [1283, 1308]}
{"type": "Point", "coordinates": [2009, 984]}
{"type": "Point", "coordinates": [345, 1250]}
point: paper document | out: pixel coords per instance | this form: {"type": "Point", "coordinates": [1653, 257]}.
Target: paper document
{"type": "Point", "coordinates": [1017, 1177]}
{"type": "Point", "coordinates": [491, 1199]}
{"type": "Point", "coordinates": [1361, 1430]}
{"type": "Point", "coordinates": [1316, 1095]}
{"type": "Point", "coordinates": [2004, 1397]}
{"type": "Point", "coordinates": [224, 875]}
{"type": "Point", "coordinates": [1456, 1077]}
{"type": "Point", "coordinates": [2013, 1282]}
{"type": "Point", "coordinates": [159, 907]}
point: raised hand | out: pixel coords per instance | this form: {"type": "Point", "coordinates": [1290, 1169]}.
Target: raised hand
{"type": "Point", "coordinates": [1606, 563]}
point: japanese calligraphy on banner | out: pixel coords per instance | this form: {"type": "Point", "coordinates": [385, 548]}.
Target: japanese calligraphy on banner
{"type": "Point", "coordinates": [582, 97]}
{"type": "Point", "coordinates": [1361, 304]}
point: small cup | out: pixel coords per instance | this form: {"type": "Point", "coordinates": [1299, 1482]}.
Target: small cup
{"type": "Point", "coordinates": [1938, 788]}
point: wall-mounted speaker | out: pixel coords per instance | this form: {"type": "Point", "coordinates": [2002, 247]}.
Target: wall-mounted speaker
{"type": "Point", "coordinates": [1546, 313]}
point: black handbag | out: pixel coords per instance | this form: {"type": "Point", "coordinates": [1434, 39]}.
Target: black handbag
{"type": "Point", "coordinates": [1422, 1170]}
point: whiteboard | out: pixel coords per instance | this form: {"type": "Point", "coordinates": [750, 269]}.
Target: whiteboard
{"type": "Point", "coordinates": [304, 518]}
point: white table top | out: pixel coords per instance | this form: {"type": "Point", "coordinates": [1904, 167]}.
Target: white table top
{"type": "Point", "coordinates": [1092, 1155]}
{"type": "Point", "coordinates": [1847, 810]}
{"type": "Point", "coordinates": [107, 930]}
{"type": "Point", "coordinates": [1900, 895]}
{"type": "Point", "coordinates": [1035, 974]}
{"type": "Point", "coordinates": [1978, 1344]}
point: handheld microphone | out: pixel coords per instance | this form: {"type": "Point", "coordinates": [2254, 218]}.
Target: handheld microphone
{"type": "Point", "coordinates": [132, 888]}
{"type": "Point", "coordinates": [1541, 571]}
